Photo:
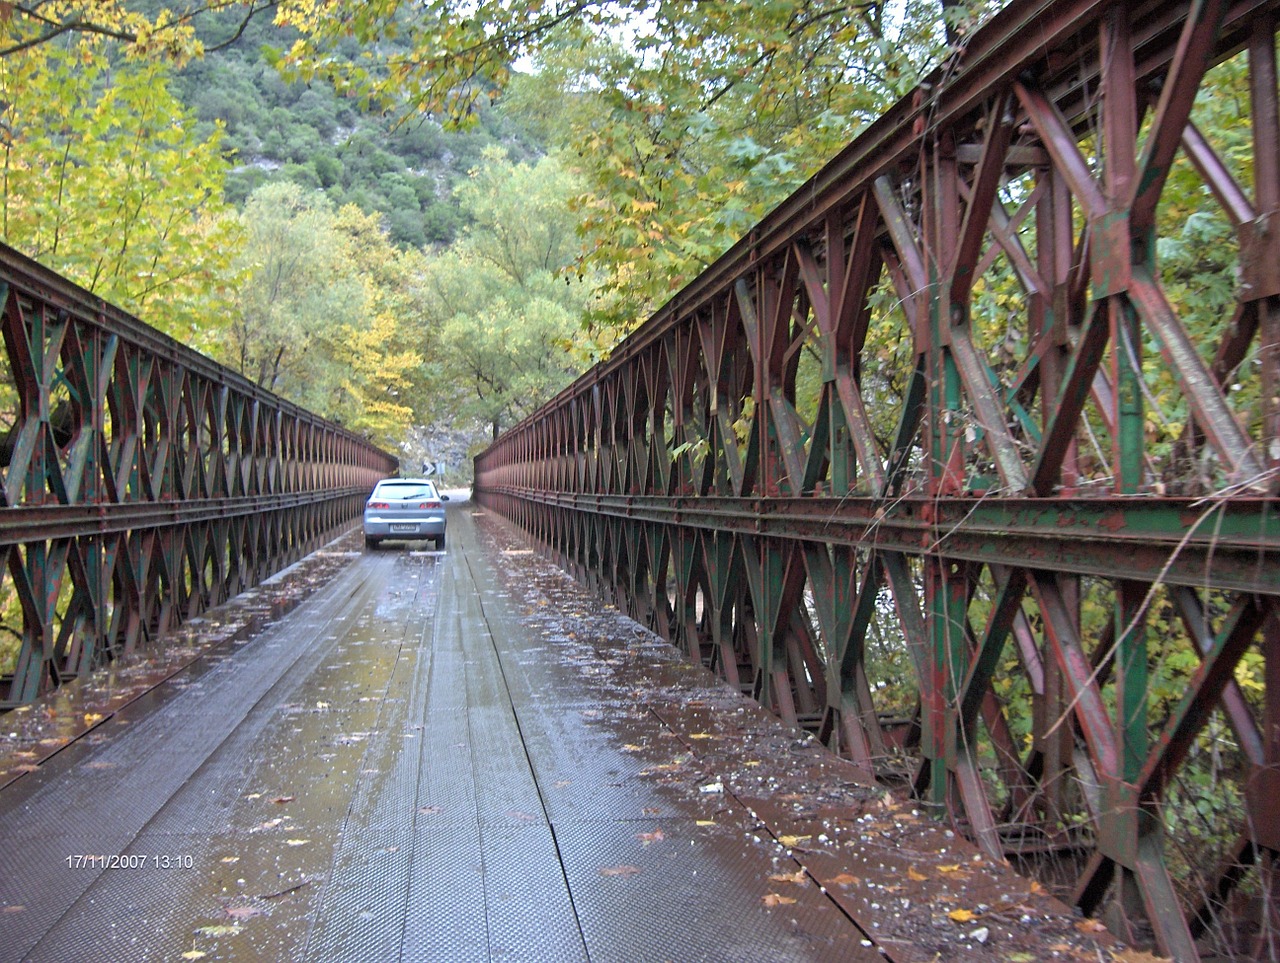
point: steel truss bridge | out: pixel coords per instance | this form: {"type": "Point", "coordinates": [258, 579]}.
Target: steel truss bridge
{"type": "Point", "coordinates": [142, 483]}
{"type": "Point", "coordinates": [944, 462]}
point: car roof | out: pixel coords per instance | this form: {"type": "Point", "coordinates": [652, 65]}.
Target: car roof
{"type": "Point", "coordinates": [406, 481]}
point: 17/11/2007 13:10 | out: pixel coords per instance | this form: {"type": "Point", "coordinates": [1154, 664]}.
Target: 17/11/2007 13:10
{"type": "Point", "coordinates": [130, 861]}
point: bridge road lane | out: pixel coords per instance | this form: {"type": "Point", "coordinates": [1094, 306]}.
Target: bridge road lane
{"type": "Point", "coordinates": [404, 768]}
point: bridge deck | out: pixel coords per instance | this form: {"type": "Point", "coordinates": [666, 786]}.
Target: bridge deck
{"type": "Point", "coordinates": [460, 756]}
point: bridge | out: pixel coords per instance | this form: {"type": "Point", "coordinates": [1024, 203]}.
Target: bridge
{"type": "Point", "coordinates": [1014, 572]}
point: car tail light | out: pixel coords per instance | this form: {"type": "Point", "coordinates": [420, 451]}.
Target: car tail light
{"type": "Point", "coordinates": [377, 505]}
{"type": "Point", "coordinates": [429, 505]}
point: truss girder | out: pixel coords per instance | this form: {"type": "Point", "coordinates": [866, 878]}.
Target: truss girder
{"type": "Point", "coordinates": [142, 483]}
{"type": "Point", "coordinates": [960, 544]}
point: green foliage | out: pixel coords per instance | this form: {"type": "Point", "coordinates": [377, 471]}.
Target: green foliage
{"type": "Point", "coordinates": [105, 181]}
{"type": "Point", "coordinates": [318, 315]}
{"type": "Point", "coordinates": [503, 315]}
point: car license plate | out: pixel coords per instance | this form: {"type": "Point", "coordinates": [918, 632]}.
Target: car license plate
{"type": "Point", "coordinates": [404, 529]}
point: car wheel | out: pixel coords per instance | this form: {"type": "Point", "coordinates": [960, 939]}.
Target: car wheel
{"type": "Point", "coordinates": [370, 543]}
{"type": "Point", "coordinates": [439, 542]}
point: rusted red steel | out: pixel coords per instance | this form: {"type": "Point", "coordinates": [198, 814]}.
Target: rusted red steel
{"type": "Point", "coordinates": [984, 516]}
{"type": "Point", "coordinates": [142, 482]}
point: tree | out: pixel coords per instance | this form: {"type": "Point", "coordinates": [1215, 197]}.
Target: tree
{"type": "Point", "coordinates": [104, 180]}
{"type": "Point", "coordinates": [300, 288]}
{"type": "Point", "coordinates": [710, 116]}
{"type": "Point", "coordinates": [144, 29]}
{"type": "Point", "coordinates": [503, 315]}
{"type": "Point", "coordinates": [320, 315]}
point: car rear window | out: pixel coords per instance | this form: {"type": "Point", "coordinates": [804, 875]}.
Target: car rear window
{"type": "Point", "coordinates": [406, 490]}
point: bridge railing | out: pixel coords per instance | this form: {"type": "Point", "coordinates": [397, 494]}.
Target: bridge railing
{"type": "Point", "coordinates": [142, 483]}
{"type": "Point", "coordinates": [966, 458]}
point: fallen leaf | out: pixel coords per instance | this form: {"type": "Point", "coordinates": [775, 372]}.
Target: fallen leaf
{"type": "Point", "coordinates": [705, 822]}
{"type": "Point", "coordinates": [949, 869]}
{"type": "Point", "coordinates": [281, 800]}
{"type": "Point", "coordinates": [619, 870]}
{"type": "Point", "coordinates": [253, 795]}
{"type": "Point", "coordinates": [429, 810]}
{"type": "Point", "coordinates": [269, 824]}
{"type": "Point", "coordinates": [961, 916]}
{"type": "Point", "coordinates": [799, 877]}
{"type": "Point", "coordinates": [296, 842]}
{"type": "Point", "coordinates": [216, 931]}
{"type": "Point", "coordinates": [561, 784]}
{"type": "Point", "coordinates": [242, 912]}
{"type": "Point", "coordinates": [654, 837]}
{"type": "Point", "coordinates": [753, 763]}
{"type": "Point", "coordinates": [230, 859]}
{"type": "Point", "coordinates": [701, 735]}
{"type": "Point", "coordinates": [14, 909]}
{"type": "Point", "coordinates": [631, 747]}
{"type": "Point", "coordinates": [1090, 926]}
{"type": "Point", "coordinates": [390, 849]}
{"type": "Point", "coordinates": [322, 705]}
{"type": "Point", "coordinates": [845, 879]}
{"type": "Point", "coordinates": [93, 718]}
{"type": "Point", "coordinates": [194, 955]}
{"type": "Point", "coordinates": [793, 841]}
{"type": "Point", "coordinates": [913, 875]}
{"type": "Point", "coordinates": [650, 811]}
{"type": "Point", "coordinates": [523, 817]}
{"type": "Point", "coordinates": [773, 899]}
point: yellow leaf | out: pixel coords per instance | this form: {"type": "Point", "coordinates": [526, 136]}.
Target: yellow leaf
{"type": "Point", "coordinates": [93, 718]}
{"type": "Point", "coordinates": [798, 877]}
{"type": "Point", "coordinates": [955, 868]}
{"type": "Point", "coordinates": [194, 955]}
{"type": "Point", "coordinates": [918, 877]}
{"type": "Point", "coordinates": [705, 822]}
{"type": "Point", "coordinates": [701, 735]}
{"type": "Point", "coordinates": [773, 899]}
{"type": "Point", "coordinates": [961, 916]}
{"type": "Point", "coordinates": [296, 842]}
{"type": "Point", "coordinates": [792, 841]}
{"type": "Point", "coordinates": [216, 931]}
{"type": "Point", "coordinates": [845, 879]}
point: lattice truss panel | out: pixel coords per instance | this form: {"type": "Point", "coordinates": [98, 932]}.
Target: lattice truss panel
{"type": "Point", "coordinates": [966, 459]}
{"type": "Point", "coordinates": [141, 482]}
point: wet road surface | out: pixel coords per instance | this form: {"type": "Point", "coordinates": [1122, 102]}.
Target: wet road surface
{"type": "Point", "coordinates": [457, 756]}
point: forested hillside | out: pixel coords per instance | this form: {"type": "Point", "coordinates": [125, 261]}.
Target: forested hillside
{"type": "Point", "coordinates": [403, 168]}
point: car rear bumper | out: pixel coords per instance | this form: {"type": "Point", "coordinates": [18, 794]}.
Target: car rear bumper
{"type": "Point", "coordinates": [384, 527]}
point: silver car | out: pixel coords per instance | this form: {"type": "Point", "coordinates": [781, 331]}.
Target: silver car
{"type": "Point", "coordinates": [404, 508]}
